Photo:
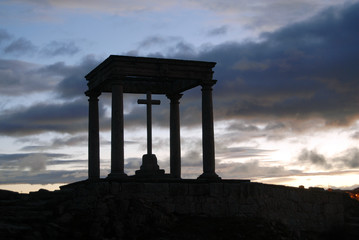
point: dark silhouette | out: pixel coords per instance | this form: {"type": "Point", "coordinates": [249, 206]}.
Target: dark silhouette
{"type": "Point", "coordinates": [155, 205]}
{"type": "Point", "coordinates": [178, 210]}
{"type": "Point", "coordinates": [149, 166]}
{"type": "Point", "coordinates": [170, 77]}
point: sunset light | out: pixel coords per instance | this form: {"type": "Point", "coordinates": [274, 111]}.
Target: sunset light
{"type": "Point", "coordinates": [285, 103]}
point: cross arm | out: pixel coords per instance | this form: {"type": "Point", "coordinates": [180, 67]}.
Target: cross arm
{"type": "Point", "coordinates": [145, 101]}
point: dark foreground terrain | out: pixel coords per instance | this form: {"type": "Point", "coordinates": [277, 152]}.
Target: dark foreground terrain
{"type": "Point", "coordinates": [66, 214]}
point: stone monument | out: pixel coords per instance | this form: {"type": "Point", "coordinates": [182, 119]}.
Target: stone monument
{"type": "Point", "coordinates": [141, 75]}
{"type": "Point", "coordinates": [149, 166]}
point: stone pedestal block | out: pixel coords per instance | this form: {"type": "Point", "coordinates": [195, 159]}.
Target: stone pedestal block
{"type": "Point", "coordinates": [149, 167]}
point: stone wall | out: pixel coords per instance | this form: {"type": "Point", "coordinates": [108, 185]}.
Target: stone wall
{"type": "Point", "coordinates": [300, 209]}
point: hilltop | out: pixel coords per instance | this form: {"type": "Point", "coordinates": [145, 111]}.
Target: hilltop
{"type": "Point", "coordinates": [178, 210]}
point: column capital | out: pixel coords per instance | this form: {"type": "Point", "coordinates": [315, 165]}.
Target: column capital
{"type": "Point", "coordinates": [174, 97]}
{"type": "Point", "coordinates": [116, 82]}
{"type": "Point", "coordinates": [93, 94]}
{"type": "Point", "coordinates": [208, 84]}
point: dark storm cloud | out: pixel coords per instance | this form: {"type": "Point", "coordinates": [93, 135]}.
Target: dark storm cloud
{"type": "Point", "coordinates": [192, 158]}
{"type": "Point", "coordinates": [245, 131]}
{"type": "Point", "coordinates": [77, 140]}
{"type": "Point", "coordinates": [182, 50]}
{"type": "Point", "coordinates": [174, 46]}
{"type": "Point", "coordinates": [308, 69]}
{"type": "Point", "coordinates": [35, 162]}
{"type": "Point", "coordinates": [69, 117]}
{"type": "Point", "coordinates": [67, 81]}
{"type": "Point", "coordinates": [57, 48]}
{"type": "Point", "coordinates": [67, 162]}
{"type": "Point", "coordinates": [4, 36]}
{"type": "Point", "coordinates": [16, 156]}
{"type": "Point", "coordinates": [347, 159]}
{"type": "Point", "coordinates": [31, 168]}
{"type": "Point", "coordinates": [313, 158]}
{"type": "Point", "coordinates": [70, 141]}
{"type": "Point", "coordinates": [222, 30]}
{"type": "Point", "coordinates": [18, 78]}
{"type": "Point", "coordinates": [274, 126]}
{"type": "Point", "coordinates": [20, 46]}
{"type": "Point", "coordinates": [164, 42]}
{"type": "Point", "coordinates": [73, 83]}
{"type": "Point", "coordinates": [301, 71]}
{"type": "Point", "coordinates": [241, 152]}
{"type": "Point", "coordinates": [243, 127]}
{"type": "Point", "coordinates": [152, 41]}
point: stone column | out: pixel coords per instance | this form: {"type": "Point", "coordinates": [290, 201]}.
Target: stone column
{"type": "Point", "coordinates": [117, 133]}
{"type": "Point", "coordinates": [208, 132]}
{"type": "Point", "coordinates": [175, 137]}
{"type": "Point", "coordinates": [93, 138]}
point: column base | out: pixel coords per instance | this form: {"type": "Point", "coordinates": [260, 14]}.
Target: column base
{"type": "Point", "coordinates": [150, 167]}
{"type": "Point", "coordinates": [175, 176]}
{"type": "Point", "coordinates": [114, 176]}
{"type": "Point", "coordinates": [93, 179]}
{"type": "Point", "coordinates": [209, 176]}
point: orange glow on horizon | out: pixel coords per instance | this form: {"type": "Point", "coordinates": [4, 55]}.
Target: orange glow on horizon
{"type": "Point", "coordinates": [354, 195]}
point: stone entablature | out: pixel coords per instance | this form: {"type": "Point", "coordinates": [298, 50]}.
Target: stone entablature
{"type": "Point", "coordinates": [155, 75]}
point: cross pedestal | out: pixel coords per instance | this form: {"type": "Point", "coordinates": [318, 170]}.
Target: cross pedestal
{"type": "Point", "coordinates": [149, 165]}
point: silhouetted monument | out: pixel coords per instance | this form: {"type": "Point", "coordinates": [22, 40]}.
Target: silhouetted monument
{"type": "Point", "coordinates": [170, 77]}
{"type": "Point", "coordinates": [149, 161]}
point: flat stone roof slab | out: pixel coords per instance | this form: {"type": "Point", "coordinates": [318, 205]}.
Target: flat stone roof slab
{"type": "Point", "coordinates": [155, 75]}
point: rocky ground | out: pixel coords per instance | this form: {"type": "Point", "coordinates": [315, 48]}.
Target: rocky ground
{"type": "Point", "coordinates": [68, 214]}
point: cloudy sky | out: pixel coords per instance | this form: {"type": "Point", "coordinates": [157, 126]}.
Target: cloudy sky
{"type": "Point", "coordinates": [286, 104]}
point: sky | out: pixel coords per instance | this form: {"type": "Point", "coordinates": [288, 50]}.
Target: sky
{"type": "Point", "coordinates": [286, 103]}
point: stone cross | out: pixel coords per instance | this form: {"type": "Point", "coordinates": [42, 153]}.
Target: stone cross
{"type": "Point", "coordinates": [149, 102]}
